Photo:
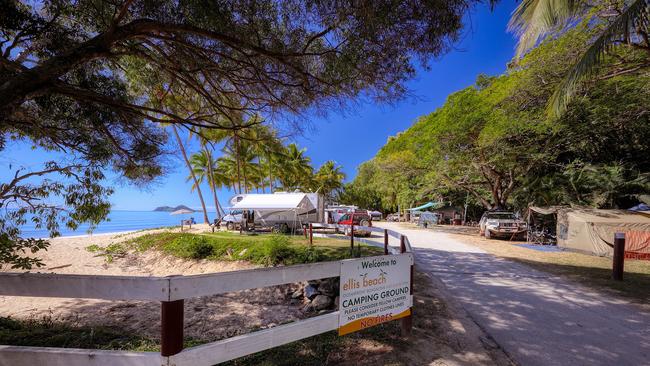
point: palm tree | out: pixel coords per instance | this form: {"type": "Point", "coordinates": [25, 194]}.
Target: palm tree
{"type": "Point", "coordinates": [329, 178]}
{"type": "Point", "coordinates": [267, 146]}
{"type": "Point", "coordinates": [189, 166]}
{"type": "Point", "coordinates": [203, 167]}
{"type": "Point", "coordinates": [534, 20]}
{"type": "Point", "coordinates": [296, 170]}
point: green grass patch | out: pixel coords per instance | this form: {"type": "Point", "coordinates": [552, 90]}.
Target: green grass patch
{"type": "Point", "coordinates": [268, 250]}
{"type": "Point", "coordinates": [49, 333]}
{"type": "Point", "coordinates": [109, 252]}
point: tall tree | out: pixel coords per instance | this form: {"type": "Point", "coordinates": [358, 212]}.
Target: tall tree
{"type": "Point", "coordinates": [622, 24]}
{"type": "Point", "coordinates": [72, 75]}
{"type": "Point", "coordinates": [194, 179]}
{"type": "Point", "coordinates": [296, 171]}
{"type": "Point", "coordinates": [329, 178]}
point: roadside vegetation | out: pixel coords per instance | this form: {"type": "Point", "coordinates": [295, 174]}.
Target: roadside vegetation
{"type": "Point", "coordinates": [266, 250]}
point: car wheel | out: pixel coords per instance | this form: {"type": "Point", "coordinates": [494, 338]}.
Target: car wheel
{"type": "Point", "coordinates": [230, 225]}
{"type": "Point", "coordinates": [488, 235]}
{"type": "Point", "coordinates": [364, 223]}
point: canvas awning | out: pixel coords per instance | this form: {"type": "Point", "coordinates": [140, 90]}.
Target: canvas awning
{"type": "Point", "coordinates": [426, 205]}
{"type": "Point", "coordinates": [546, 210]}
{"type": "Point", "coordinates": [285, 201]}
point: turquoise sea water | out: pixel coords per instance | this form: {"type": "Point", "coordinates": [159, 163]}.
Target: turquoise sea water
{"type": "Point", "coordinates": [119, 221]}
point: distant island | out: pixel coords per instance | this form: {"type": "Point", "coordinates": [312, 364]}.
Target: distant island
{"type": "Point", "coordinates": [171, 209]}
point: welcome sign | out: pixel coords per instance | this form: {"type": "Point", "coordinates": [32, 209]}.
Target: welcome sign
{"type": "Point", "coordinates": [374, 290]}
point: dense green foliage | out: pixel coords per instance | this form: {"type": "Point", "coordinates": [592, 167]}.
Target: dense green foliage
{"type": "Point", "coordinates": [621, 30]}
{"type": "Point", "coordinates": [494, 142]}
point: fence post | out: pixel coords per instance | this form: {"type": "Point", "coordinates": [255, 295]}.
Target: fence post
{"type": "Point", "coordinates": [407, 322]}
{"type": "Point", "coordinates": [619, 256]}
{"type": "Point", "coordinates": [385, 241]}
{"type": "Point", "coordinates": [171, 327]}
{"type": "Point", "coordinates": [311, 234]}
{"type": "Point", "coordinates": [351, 240]}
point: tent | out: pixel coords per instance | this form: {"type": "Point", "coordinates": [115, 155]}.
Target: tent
{"type": "Point", "coordinates": [592, 231]}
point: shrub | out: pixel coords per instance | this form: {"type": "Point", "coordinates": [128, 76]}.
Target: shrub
{"type": "Point", "coordinates": [277, 249]}
{"type": "Point", "coordinates": [190, 246]}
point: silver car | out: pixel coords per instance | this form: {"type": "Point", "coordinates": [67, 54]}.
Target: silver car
{"type": "Point", "coordinates": [504, 224]}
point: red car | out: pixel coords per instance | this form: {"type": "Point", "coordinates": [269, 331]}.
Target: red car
{"type": "Point", "coordinates": [359, 218]}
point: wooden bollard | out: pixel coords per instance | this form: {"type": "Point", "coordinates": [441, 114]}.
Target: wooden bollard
{"type": "Point", "coordinates": [619, 257]}
{"type": "Point", "coordinates": [385, 241]}
{"type": "Point", "coordinates": [171, 327]}
{"type": "Point", "coordinates": [311, 234]}
{"type": "Point", "coordinates": [351, 241]}
{"type": "Point", "coordinates": [406, 323]}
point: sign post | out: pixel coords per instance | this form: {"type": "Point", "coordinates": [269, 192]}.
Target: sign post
{"type": "Point", "coordinates": [374, 290]}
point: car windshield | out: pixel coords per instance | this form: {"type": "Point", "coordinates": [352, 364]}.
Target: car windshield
{"type": "Point", "coordinates": [501, 215]}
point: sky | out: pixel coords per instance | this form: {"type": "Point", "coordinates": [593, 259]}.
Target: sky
{"type": "Point", "coordinates": [349, 139]}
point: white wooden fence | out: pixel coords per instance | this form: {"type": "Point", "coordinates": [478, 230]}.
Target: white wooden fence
{"type": "Point", "coordinates": [171, 291]}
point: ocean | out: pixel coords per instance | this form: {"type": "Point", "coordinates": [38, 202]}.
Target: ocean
{"type": "Point", "coordinates": [120, 221]}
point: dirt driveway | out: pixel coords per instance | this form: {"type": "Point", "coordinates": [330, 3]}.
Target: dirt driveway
{"type": "Point", "coordinates": [536, 318]}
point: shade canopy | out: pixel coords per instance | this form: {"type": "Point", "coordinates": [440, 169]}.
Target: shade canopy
{"type": "Point", "coordinates": [182, 211]}
{"type": "Point", "coordinates": [284, 201]}
{"type": "Point", "coordinates": [426, 205]}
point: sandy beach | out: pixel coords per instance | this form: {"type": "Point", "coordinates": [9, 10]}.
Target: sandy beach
{"type": "Point", "coordinates": [237, 312]}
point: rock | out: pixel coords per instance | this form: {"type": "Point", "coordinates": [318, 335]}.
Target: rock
{"type": "Point", "coordinates": [327, 287]}
{"type": "Point", "coordinates": [308, 308]}
{"type": "Point", "coordinates": [297, 294]}
{"type": "Point", "coordinates": [321, 302]}
{"type": "Point", "coordinates": [294, 302]}
{"type": "Point", "coordinates": [311, 291]}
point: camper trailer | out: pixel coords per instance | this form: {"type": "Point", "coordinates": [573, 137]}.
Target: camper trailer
{"type": "Point", "coordinates": [282, 212]}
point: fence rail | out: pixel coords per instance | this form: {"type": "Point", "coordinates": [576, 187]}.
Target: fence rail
{"type": "Point", "coordinates": [171, 292]}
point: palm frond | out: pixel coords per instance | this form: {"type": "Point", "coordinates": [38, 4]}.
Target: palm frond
{"type": "Point", "coordinates": [636, 16]}
{"type": "Point", "coordinates": [534, 19]}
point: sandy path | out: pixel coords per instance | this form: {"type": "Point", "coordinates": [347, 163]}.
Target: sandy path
{"type": "Point", "coordinates": [235, 313]}
{"type": "Point", "coordinates": [537, 318]}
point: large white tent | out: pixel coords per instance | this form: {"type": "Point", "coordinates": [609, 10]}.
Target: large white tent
{"type": "Point", "coordinates": [592, 230]}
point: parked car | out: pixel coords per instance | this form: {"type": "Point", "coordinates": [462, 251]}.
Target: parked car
{"type": "Point", "coordinates": [375, 215]}
{"type": "Point", "coordinates": [358, 218]}
{"type": "Point", "coordinates": [392, 217]}
{"type": "Point", "coordinates": [504, 224]}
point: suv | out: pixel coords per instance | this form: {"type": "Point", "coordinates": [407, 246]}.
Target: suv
{"type": "Point", "coordinates": [358, 218]}
{"type": "Point", "coordinates": [503, 224]}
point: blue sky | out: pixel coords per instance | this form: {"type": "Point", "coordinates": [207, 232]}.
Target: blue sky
{"type": "Point", "coordinates": [350, 138]}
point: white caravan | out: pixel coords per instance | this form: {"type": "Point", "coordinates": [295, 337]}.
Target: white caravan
{"type": "Point", "coordinates": [283, 212]}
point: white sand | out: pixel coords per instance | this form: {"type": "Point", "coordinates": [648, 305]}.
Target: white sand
{"type": "Point", "coordinates": [236, 313]}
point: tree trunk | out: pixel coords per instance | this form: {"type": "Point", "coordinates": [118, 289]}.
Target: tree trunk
{"type": "Point", "coordinates": [238, 163]}
{"type": "Point", "coordinates": [189, 166]}
{"type": "Point", "coordinates": [268, 158]}
{"type": "Point", "coordinates": [213, 186]}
